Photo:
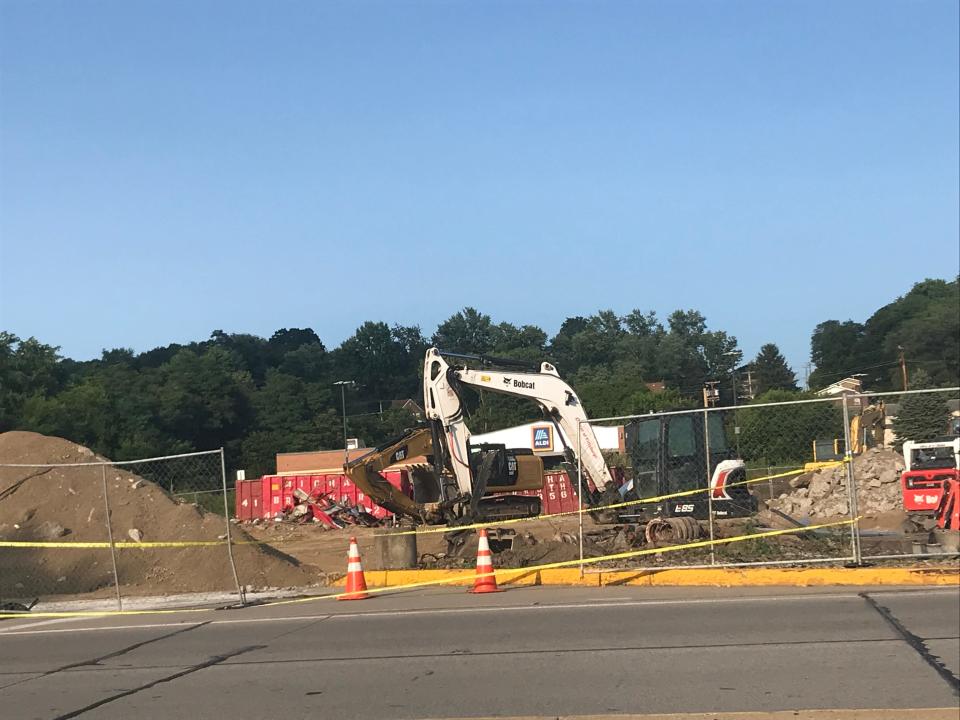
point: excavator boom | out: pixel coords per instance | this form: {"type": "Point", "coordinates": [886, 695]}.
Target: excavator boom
{"type": "Point", "coordinates": [444, 406]}
{"type": "Point", "coordinates": [464, 481]}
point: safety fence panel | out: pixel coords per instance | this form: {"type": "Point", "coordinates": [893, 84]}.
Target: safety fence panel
{"type": "Point", "coordinates": [793, 466]}
{"type": "Point", "coordinates": [831, 469]}
{"type": "Point", "coordinates": [905, 454]}
{"type": "Point", "coordinates": [723, 479]}
{"type": "Point", "coordinates": [101, 529]}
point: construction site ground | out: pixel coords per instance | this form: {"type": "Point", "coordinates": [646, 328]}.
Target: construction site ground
{"type": "Point", "coordinates": [543, 541]}
{"type": "Point", "coordinates": [65, 506]}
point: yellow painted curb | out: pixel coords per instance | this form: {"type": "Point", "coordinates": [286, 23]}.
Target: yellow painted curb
{"type": "Point", "coordinates": [651, 577]}
{"type": "Point", "coordinates": [791, 577]}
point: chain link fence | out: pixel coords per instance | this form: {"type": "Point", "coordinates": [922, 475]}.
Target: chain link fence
{"type": "Point", "coordinates": [828, 471]}
{"type": "Point", "coordinates": [101, 529]}
{"type": "Point", "coordinates": [812, 481]}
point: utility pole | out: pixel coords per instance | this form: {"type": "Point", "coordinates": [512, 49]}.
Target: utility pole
{"type": "Point", "coordinates": [343, 404]}
{"type": "Point", "coordinates": [750, 384]}
{"type": "Point", "coordinates": [710, 393]}
{"type": "Point", "coordinates": [903, 368]}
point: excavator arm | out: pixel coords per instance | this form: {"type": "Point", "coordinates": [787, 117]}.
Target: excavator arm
{"type": "Point", "coordinates": [462, 475]}
{"type": "Point", "coordinates": [443, 402]}
{"type": "Point", "coordinates": [365, 471]}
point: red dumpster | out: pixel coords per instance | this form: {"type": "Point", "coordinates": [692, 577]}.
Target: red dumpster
{"type": "Point", "coordinates": [247, 500]}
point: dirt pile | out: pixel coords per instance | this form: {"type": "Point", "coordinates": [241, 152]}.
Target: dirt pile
{"type": "Point", "coordinates": [824, 493]}
{"type": "Point", "coordinates": [66, 504]}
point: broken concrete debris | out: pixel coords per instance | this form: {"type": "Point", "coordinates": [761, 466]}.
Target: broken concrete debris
{"type": "Point", "coordinates": [825, 493]}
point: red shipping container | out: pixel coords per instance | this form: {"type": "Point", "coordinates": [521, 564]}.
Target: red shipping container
{"type": "Point", "coordinates": [557, 495]}
{"type": "Point", "coordinates": [247, 500]}
{"type": "Point", "coordinates": [271, 500]}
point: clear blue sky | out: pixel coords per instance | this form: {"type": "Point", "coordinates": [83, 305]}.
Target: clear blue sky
{"type": "Point", "coordinates": [171, 168]}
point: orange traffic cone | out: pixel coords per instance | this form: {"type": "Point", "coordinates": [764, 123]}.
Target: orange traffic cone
{"type": "Point", "coordinates": [356, 584]}
{"type": "Point", "coordinates": [486, 581]}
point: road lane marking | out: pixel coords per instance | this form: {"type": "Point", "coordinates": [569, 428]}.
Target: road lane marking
{"type": "Point", "coordinates": [450, 611]}
{"type": "Point", "coordinates": [53, 621]}
{"type": "Point", "coordinates": [600, 603]}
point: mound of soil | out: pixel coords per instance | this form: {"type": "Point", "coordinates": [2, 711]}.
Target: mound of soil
{"type": "Point", "coordinates": [66, 504]}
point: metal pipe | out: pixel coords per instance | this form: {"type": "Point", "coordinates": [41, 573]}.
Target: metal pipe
{"type": "Point", "coordinates": [110, 463]}
{"type": "Point", "coordinates": [113, 547]}
{"type": "Point", "coordinates": [226, 517]}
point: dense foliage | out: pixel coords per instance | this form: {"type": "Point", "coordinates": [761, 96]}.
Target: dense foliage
{"type": "Point", "coordinates": [257, 396]}
{"type": "Point", "coordinates": [771, 372]}
{"type": "Point", "coordinates": [925, 323]}
{"type": "Point", "coordinates": [923, 416]}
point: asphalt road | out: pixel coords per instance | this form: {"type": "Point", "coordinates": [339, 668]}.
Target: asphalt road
{"type": "Point", "coordinates": [544, 652]}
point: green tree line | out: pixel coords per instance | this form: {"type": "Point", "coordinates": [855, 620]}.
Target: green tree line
{"type": "Point", "coordinates": [924, 325]}
{"type": "Point", "coordinates": [258, 396]}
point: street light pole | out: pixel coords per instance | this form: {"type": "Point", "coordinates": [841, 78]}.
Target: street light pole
{"type": "Point", "coordinates": [343, 404]}
{"type": "Point", "coordinates": [737, 355]}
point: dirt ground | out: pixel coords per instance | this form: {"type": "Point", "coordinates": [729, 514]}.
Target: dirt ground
{"type": "Point", "coordinates": [537, 542]}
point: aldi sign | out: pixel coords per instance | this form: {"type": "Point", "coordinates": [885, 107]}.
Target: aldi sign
{"type": "Point", "coordinates": [542, 437]}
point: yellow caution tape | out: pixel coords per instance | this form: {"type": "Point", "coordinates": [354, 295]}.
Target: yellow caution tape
{"type": "Point", "coordinates": [588, 510]}
{"type": "Point", "coordinates": [422, 531]}
{"type": "Point", "coordinates": [119, 545]}
{"type": "Point", "coordinates": [455, 579]}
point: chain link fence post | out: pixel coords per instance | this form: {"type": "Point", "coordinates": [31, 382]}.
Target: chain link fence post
{"type": "Point", "coordinates": [580, 491]}
{"type": "Point", "coordinates": [113, 546]}
{"type": "Point", "coordinates": [706, 445]}
{"type": "Point", "coordinates": [226, 516]}
{"type": "Point", "coordinates": [851, 486]}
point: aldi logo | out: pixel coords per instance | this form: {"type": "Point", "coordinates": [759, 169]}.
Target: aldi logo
{"type": "Point", "coordinates": [543, 438]}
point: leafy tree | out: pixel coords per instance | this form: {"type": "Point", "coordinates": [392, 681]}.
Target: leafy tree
{"type": "Point", "coordinates": [621, 391]}
{"type": "Point", "coordinates": [561, 346]}
{"type": "Point", "coordinates": [775, 436]}
{"type": "Point", "coordinates": [922, 416]}
{"type": "Point", "coordinates": [834, 349]}
{"type": "Point", "coordinates": [253, 351]}
{"type": "Point", "coordinates": [924, 322]}
{"type": "Point", "coordinates": [375, 360]}
{"type": "Point", "coordinates": [285, 341]}
{"type": "Point", "coordinates": [27, 368]}
{"type": "Point", "coordinates": [308, 362]}
{"type": "Point", "coordinates": [469, 331]}
{"type": "Point", "coordinates": [204, 399]}
{"type": "Point", "coordinates": [771, 372]}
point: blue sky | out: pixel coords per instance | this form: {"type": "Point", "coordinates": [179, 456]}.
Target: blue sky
{"type": "Point", "coordinates": [171, 168]}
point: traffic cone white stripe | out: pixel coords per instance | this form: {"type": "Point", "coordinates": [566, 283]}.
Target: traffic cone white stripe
{"type": "Point", "coordinates": [486, 580]}
{"type": "Point", "coordinates": [356, 588]}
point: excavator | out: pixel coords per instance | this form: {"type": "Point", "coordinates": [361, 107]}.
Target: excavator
{"type": "Point", "coordinates": [463, 482]}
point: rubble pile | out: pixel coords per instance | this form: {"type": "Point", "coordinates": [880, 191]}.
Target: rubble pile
{"type": "Point", "coordinates": [327, 512]}
{"type": "Point", "coordinates": [824, 493]}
